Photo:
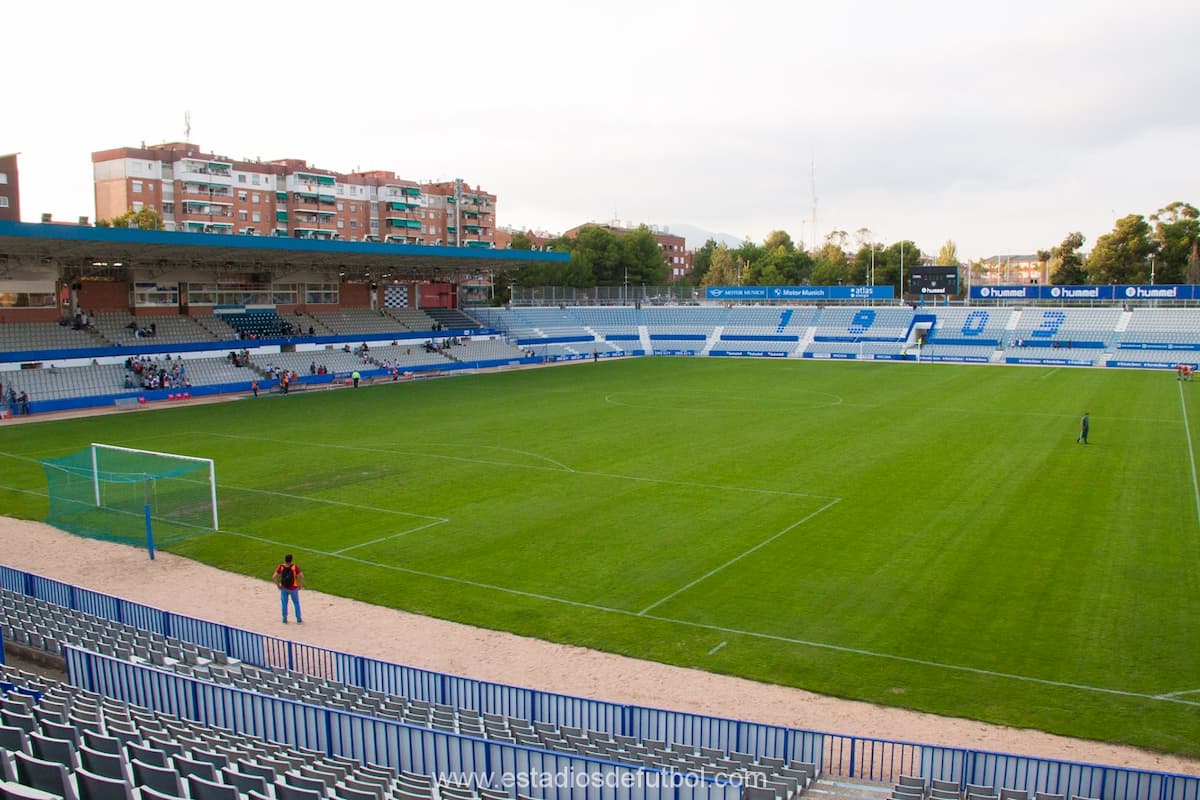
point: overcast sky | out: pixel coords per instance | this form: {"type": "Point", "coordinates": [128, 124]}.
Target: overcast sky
{"type": "Point", "coordinates": [1000, 125]}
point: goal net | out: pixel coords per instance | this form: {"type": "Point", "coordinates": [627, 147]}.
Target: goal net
{"type": "Point", "coordinates": [122, 494]}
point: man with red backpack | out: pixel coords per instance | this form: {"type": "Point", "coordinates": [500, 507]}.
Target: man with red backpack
{"type": "Point", "coordinates": [290, 581]}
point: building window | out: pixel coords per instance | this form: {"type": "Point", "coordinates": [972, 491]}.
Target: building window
{"type": "Point", "coordinates": [353, 207]}
{"type": "Point", "coordinates": [137, 187]}
{"type": "Point", "coordinates": [255, 178]}
{"type": "Point", "coordinates": [137, 205]}
{"type": "Point", "coordinates": [341, 206]}
{"type": "Point", "coordinates": [3, 201]}
{"type": "Point", "coordinates": [353, 225]}
{"type": "Point", "coordinates": [242, 196]}
{"type": "Point", "coordinates": [242, 216]}
{"type": "Point", "coordinates": [241, 177]}
{"type": "Point", "coordinates": [3, 178]}
{"type": "Point", "coordinates": [254, 197]}
{"type": "Point", "coordinates": [257, 216]}
{"type": "Point", "coordinates": [168, 208]}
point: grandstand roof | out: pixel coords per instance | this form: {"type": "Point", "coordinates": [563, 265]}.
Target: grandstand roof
{"type": "Point", "coordinates": [82, 248]}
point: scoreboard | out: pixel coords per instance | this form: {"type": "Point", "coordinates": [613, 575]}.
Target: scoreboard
{"type": "Point", "coordinates": [938, 281]}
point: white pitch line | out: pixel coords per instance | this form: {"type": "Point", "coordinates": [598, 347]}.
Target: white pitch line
{"type": "Point", "coordinates": [718, 647]}
{"type": "Point", "coordinates": [392, 536]}
{"type": "Point", "coordinates": [1169, 695]}
{"type": "Point", "coordinates": [539, 467]}
{"type": "Point", "coordinates": [341, 503]}
{"type": "Point", "coordinates": [1187, 432]}
{"type": "Point", "coordinates": [723, 629]}
{"type": "Point", "coordinates": [736, 631]}
{"type": "Point", "coordinates": [737, 558]}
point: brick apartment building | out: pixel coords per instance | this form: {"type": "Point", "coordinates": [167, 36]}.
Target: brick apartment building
{"type": "Point", "coordinates": [10, 189]}
{"type": "Point", "coordinates": [207, 193]}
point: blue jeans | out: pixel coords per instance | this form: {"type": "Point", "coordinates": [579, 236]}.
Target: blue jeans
{"type": "Point", "coordinates": [283, 602]}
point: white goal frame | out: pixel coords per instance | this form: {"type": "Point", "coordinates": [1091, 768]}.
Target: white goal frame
{"type": "Point", "coordinates": [212, 471]}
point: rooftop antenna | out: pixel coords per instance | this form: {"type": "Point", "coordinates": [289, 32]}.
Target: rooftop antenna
{"type": "Point", "coordinates": [187, 126]}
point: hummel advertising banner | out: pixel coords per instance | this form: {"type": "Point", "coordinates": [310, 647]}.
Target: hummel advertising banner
{"type": "Point", "coordinates": [799, 293]}
{"type": "Point", "coordinates": [1119, 292]}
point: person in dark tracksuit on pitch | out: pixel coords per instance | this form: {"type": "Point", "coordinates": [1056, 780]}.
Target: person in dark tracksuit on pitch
{"type": "Point", "coordinates": [1083, 429]}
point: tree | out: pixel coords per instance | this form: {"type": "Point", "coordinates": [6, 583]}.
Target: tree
{"type": "Point", "coordinates": [1176, 232]}
{"type": "Point", "coordinates": [146, 219]}
{"type": "Point", "coordinates": [829, 266]}
{"type": "Point", "coordinates": [600, 251]}
{"type": "Point", "coordinates": [642, 260]}
{"type": "Point", "coordinates": [1065, 262]}
{"type": "Point", "coordinates": [521, 241]}
{"type": "Point", "coordinates": [701, 259]}
{"type": "Point", "coordinates": [724, 268]}
{"type": "Point", "coordinates": [778, 239]}
{"type": "Point", "coordinates": [1123, 256]}
{"type": "Point", "coordinates": [948, 255]}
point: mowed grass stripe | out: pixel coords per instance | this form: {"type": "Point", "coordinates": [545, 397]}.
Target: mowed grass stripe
{"type": "Point", "coordinates": [976, 550]}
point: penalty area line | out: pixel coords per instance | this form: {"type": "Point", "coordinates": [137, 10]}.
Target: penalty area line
{"type": "Point", "coordinates": [738, 557]}
{"type": "Point", "coordinates": [391, 536]}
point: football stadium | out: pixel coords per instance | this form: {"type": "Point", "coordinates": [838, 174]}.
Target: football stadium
{"type": "Point", "coordinates": [821, 488]}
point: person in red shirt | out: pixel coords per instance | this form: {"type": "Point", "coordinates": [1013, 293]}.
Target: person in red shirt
{"type": "Point", "coordinates": [290, 581]}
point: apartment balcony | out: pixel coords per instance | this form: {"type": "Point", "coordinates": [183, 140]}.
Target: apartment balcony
{"type": "Point", "coordinates": [205, 173]}
{"type": "Point", "coordinates": [401, 222]}
{"type": "Point", "coordinates": [206, 226]}
{"type": "Point", "coordinates": [302, 232]}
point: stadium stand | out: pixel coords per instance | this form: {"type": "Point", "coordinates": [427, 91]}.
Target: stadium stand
{"type": "Point", "coordinates": [79, 363]}
{"type": "Point", "coordinates": [168, 753]}
{"type": "Point", "coordinates": [120, 328]}
{"type": "Point", "coordinates": [452, 319]}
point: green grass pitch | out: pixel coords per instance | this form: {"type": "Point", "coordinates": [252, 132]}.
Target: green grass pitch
{"type": "Point", "coordinates": [913, 535]}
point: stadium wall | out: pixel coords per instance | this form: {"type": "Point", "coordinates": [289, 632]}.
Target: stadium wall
{"type": "Point", "coordinates": [856, 757]}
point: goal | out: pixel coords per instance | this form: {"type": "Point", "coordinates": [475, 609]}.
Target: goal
{"type": "Point", "coordinates": [134, 496]}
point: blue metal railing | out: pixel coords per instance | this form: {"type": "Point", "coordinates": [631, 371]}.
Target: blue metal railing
{"type": "Point", "coordinates": [863, 758]}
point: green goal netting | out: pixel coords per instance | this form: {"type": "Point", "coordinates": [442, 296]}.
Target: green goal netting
{"type": "Point", "coordinates": [133, 496]}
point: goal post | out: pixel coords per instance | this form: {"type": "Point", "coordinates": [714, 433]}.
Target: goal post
{"type": "Point", "coordinates": [158, 459]}
{"type": "Point", "coordinates": [112, 492]}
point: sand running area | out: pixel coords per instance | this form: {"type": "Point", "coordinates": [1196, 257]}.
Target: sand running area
{"type": "Point", "coordinates": [397, 636]}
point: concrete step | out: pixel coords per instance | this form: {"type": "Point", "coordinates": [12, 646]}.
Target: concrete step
{"type": "Point", "coordinates": [827, 788]}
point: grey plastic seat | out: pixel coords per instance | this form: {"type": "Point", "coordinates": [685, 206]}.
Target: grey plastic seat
{"type": "Point", "coordinates": [49, 776]}
{"type": "Point", "coordinates": [252, 768]}
{"type": "Point", "coordinates": [218, 760]}
{"type": "Point", "coordinates": [148, 793]}
{"type": "Point", "coordinates": [13, 739]}
{"type": "Point", "coordinates": [105, 765]}
{"type": "Point", "coordinates": [26, 722]}
{"type": "Point", "coordinates": [186, 767]}
{"type": "Point", "coordinates": [147, 755]}
{"type": "Point", "coordinates": [162, 779]}
{"type": "Point", "coordinates": [201, 789]}
{"type": "Point", "coordinates": [244, 783]}
{"type": "Point", "coordinates": [345, 792]}
{"type": "Point", "coordinates": [98, 787]}
{"type": "Point", "coordinates": [16, 791]}
{"type": "Point", "coordinates": [61, 751]}
{"type": "Point", "coordinates": [285, 792]}
{"type": "Point", "coordinates": [304, 782]}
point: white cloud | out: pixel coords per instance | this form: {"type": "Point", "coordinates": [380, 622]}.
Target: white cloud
{"type": "Point", "coordinates": [1001, 126]}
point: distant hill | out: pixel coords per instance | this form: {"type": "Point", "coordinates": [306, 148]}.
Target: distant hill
{"type": "Point", "coordinates": [696, 237]}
